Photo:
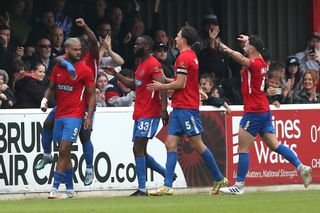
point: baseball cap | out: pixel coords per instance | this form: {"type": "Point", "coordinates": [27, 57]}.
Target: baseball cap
{"type": "Point", "coordinates": [292, 60]}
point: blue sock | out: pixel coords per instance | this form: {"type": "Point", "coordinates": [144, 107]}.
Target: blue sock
{"type": "Point", "coordinates": [141, 171]}
{"type": "Point", "coordinates": [68, 178]}
{"type": "Point", "coordinates": [46, 140]}
{"type": "Point", "coordinates": [57, 179]}
{"type": "Point", "coordinates": [172, 158]}
{"type": "Point", "coordinates": [243, 166]}
{"type": "Point", "coordinates": [211, 163]}
{"type": "Point", "coordinates": [288, 154]}
{"type": "Point", "coordinates": [154, 165]}
{"type": "Point", "coordinates": [88, 153]}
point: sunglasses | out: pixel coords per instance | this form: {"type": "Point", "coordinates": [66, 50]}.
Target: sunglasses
{"type": "Point", "coordinates": [44, 46]}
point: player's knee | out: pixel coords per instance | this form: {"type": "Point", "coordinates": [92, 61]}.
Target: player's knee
{"type": "Point", "coordinates": [138, 150]}
{"type": "Point", "coordinates": [84, 137]}
{"type": "Point", "coordinates": [48, 124]}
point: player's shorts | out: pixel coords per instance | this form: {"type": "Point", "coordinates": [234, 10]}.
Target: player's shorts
{"type": "Point", "coordinates": [52, 114]}
{"type": "Point", "coordinates": [66, 129]}
{"type": "Point", "coordinates": [145, 128]}
{"type": "Point", "coordinates": [185, 122]}
{"type": "Point", "coordinates": [255, 123]}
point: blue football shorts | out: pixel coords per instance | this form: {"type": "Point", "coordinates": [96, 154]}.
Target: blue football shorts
{"type": "Point", "coordinates": [255, 123]}
{"type": "Point", "coordinates": [66, 129]}
{"type": "Point", "coordinates": [185, 121]}
{"type": "Point", "coordinates": [52, 114]}
{"type": "Point", "coordinates": [145, 128]}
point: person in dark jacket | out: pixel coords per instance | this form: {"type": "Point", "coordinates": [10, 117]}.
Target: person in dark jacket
{"type": "Point", "coordinates": [30, 89]}
{"type": "Point", "coordinates": [6, 94]}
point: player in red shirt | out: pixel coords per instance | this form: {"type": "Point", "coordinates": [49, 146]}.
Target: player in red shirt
{"type": "Point", "coordinates": [257, 118]}
{"type": "Point", "coordinates": [90, 58]}
{"type": "Point", "coordinates": [185, 115]}
{"type": "Point", "coordinates": [71, 108]}
{"type": "Point", "coordinates": [148, 108]}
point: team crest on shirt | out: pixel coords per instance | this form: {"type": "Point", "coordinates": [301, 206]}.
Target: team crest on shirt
{"type": "Point", "coordinates": [141, 73]}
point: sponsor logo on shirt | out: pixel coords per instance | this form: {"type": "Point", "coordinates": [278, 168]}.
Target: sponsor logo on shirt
{"type": "Point", "coordinates": [138, 82]}
{"type": "Point", "coordinates": [65, 87]}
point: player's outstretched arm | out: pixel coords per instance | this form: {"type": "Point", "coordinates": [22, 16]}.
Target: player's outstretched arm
{"type": "Point", "coordinates": [94, 46]}
{"type": "Point", "coordinates": [179, 83]}
{"type": "Point", "coordinates": [235, 55]}
{"type": "Point", "coordinates": [127, 81]}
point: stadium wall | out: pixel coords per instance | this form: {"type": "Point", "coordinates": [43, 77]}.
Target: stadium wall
{"type": "Point", "coordinates": [297, 126]}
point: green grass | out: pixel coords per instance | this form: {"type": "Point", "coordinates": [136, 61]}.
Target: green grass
{"type": "Point", "coordinates": [290, 201]}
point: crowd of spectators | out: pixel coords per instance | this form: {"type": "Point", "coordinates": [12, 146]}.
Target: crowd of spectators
{"type": "Point", "coordinates": [32, 37]}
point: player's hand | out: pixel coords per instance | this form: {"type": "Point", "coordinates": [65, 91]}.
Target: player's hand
{"type": "Point", "coordinates": [155, 86]}
{"type": "Point", "coordinates": [164, 116]}
{"type": "Point", "coordinates": [44, 104]}
{"type": "Point", "coordinates": [243, 38]}
{"type": "Point", "coordinates": [109, 70]}
{"type": "Point", "coordinates": [80, 22]}
{"type": "Point", "coordinates": [87, 123]}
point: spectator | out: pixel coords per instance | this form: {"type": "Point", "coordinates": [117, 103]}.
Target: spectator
{"type": "Point", "coordinates": [57, 39]}
{"type": "Point", "coordinates": [7, 48]}
{"type": "Point", "coordinates": [30, 89]}
{"type": "Point", "coordinates": [308, 93]}
{"type": "Point", "coordinates": [310, 58]}
{"type": "Point", "coordinates": [42, 54]}
{"type": "Point", "coordinates": [17, 68]}
{"type": "Point", "coordinates": [42, 29]}
{"type": "Point", "coordinates": [101, 86]}
{"type": "Point", "coordinates": [160, 52]}
{"type": "Point", "coordinates": [162, 36]}
{"type": "Point", "coordinates": [19, 20]}
{"type": "Point", "coordinates": [6, 94]}
{"type": "Point", "coordinates": [62, 19]}
{"type": "Point", "coordinates": [119, 94]}
{"type": "Point", "coordinates": [98, 14]}
{"type": "Point", "coordinates": [273, 88]}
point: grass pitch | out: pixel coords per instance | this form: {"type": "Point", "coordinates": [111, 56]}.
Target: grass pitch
{"type": "Point", "coordinates": [289, 201]}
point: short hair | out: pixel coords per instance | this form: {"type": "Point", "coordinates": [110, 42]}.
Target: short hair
{"type": "Point", "coordinates": [71, 41]}
{"type": "Point", "coordinates": [275, 75]}
{"type": "Point", "coordinates": [5, 76]}
{"type": "Point", "coordinates": [189, 33]}
{"type": "Point", "coordinates": [276, 66]}
{"type": "Point", "coordinates": [147, 41]}
{"type": "Point", "coordinates": [256, 42]}
{"type": "Point", "coordinates": [209, 76]}
{"type": "Point", "coordinates": [4, 27]}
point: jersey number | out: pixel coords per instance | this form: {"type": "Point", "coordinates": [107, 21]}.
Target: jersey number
{"type": "Point", "coordinates": [144, 126]}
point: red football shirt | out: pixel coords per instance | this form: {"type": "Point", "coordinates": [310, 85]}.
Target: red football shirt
{"type": "Point", "coordinates": [252, 86]}
{"type": "Point", "coordinates": [92, 63]}
{"type": "Point", "coordinates": [69, 93]}
{"type": "Point", "coordinates": [187, 97]}
{"type": "Point", "coordinates": [147, 103]}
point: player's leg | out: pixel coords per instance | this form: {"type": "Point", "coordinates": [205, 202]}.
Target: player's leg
{"type": "Point", "coordinates": [139, 147]}
{"type": "Point", "coordinates": [70, 134]}
{"type": "Point", "coordinates": [66, 131]}
{"type": "Point", "coordinates": [249, 127]}
{"type": "Point", "coordinates": [175, 132]}
{"type": "Point", "coordinates": [305, 171]}
{"type": "Point", "coordinates": [88, 150]}
{"type": "Point", "coordinates": [46, 140]}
